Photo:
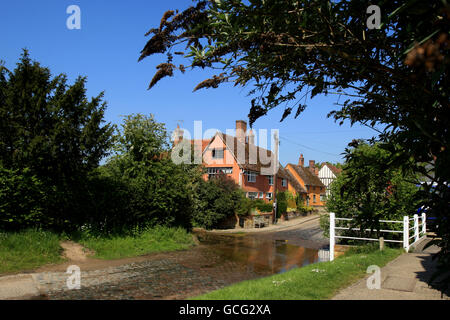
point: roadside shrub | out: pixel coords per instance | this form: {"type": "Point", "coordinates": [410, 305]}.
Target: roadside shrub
{"type": "Point", "coordinates": [216, 200]}
{"type": "Point", "coordinates": [291, 200]}
{"type": "Point", "coordinates": [22, 199]}
{"type": "Point", "coordinates": [282, 203]}
{"type": "Point", "coordinates": [369, 190]}
{"type": "Point", "coordinates": [263, 206]}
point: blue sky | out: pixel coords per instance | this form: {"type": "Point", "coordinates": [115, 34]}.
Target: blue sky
{"type": "Point", "coordinates": [106, 49]}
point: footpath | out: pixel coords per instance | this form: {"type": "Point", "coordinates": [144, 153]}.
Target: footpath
{"type": "Point", "coordinates": [279, 226]}
{"type": "Point", "coordinates": [404, 278]}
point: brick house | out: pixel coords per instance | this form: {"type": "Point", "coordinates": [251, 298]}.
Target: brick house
{"type": "Point", "coordinates": [239, 158]}
{"type": "Point", "coordinates": [308, 178]}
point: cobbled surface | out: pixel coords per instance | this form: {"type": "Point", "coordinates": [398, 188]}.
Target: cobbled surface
{"type": "Point", "coordinates": [177, 276]}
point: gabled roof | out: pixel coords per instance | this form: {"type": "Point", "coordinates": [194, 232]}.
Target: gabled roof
{"type": "Point", "coordinates": [282, 172]}
{"type": "Point", "coordinates": [237, 145]}
{"type": "Point", "coordinates": [205, 143]}
{"type": "Point", "coordinates": [297, 186]}
{"type": "Point", "coordinates": [333, 169]}
{"type": "Point", "coordinates": [307, 176]}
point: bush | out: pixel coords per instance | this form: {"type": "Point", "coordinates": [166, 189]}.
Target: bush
{"type": "Point", "coordinates": [22, 200]}
{"type": "Point", "coordinates": [291, 200]}
{"type": "Point", "coordinates": [218, 199]}
{"type": "Point", "coordinates": [263, 206]}
{"type": "Point", "coordinates": [282, 203]}
{"type": "Point", "coordinates": [369, 190]}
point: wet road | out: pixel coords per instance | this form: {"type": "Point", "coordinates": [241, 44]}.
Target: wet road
{"type": "Point", "coordinates": [220, 260]}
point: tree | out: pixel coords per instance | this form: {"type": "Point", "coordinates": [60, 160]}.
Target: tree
{"type": "Point", "coordinates": [157, 191]}
{"type": "Point", "coordinates": [51, 132]}
{"type": "Point", "coordinates": [395, 77]}
{"type": "Point", "coordinates": [369, 190]}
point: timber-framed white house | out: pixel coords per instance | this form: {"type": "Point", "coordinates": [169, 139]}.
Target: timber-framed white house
{"type": "Point", "coordinates": [327, 174]}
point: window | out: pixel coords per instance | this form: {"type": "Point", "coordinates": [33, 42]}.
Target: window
{"type": "Point", "coordinates": [314, 198]}
{"type": "Point", "coordinates": [322, 197]}
{"type": "Point", "coordinates": [213, 172]}
{"type": "Point", "coordinates": [251, 176]}
{"type": "Point", "coordinates": [252, 195]}
{"type": "Point", "coordinates": [261, 195]}
{"type": "Point", "coordinates": [269, 195]}
{"type": "Point", "coordinates": [284, 182]}
{"type": "Point", "coordinates": [217, 153]}
{"type": "Point", "coordinates": [270, 180]}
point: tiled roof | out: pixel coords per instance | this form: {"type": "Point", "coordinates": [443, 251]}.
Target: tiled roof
{"type": "Point", "coordinates": [246, 165]}
{"type": "Point", "coordinates": [335, 170]}
{"type": "Point", "coordinates": [297, 186]}
{"type": "Point", "coordinates": [307, 176]}
{"type": "Point", "coordinates": [282, 172]}
{"type": "Point", "coordinates": [204, 143]}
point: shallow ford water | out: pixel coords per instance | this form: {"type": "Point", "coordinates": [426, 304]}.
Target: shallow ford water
{"type": "Point", "coordinates": [260, 255]}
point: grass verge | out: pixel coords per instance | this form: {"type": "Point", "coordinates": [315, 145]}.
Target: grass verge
{"type": "Point", "coordinates": [313, 282]}
{"type": "Point", "coordinates": [29, 249]}
{"type": "Point", "coordinates": [150, 240]}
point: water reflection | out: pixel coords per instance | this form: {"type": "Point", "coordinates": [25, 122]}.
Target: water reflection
{"type": "Point", "coordinates": [268, 256]}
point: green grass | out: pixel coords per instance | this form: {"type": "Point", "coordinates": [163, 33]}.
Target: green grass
{"type": "Point", "coordinates": [28, 249]}
{"type": "Point", "coordinates": [313, 282]}
{"type": "Point", "coordinates": [151, 240]}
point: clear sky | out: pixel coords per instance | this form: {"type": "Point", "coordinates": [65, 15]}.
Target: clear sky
{"type": "Point", "coordinates": [106, 49]}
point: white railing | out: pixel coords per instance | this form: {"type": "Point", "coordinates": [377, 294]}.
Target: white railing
{"type": "Point", "coordinates": [419, 231]}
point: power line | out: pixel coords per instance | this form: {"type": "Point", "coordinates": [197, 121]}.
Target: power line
{"type": "Point", "coordinates": [304, 146]}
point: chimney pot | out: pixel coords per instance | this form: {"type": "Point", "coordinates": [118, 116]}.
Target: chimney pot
{"type": "Point", "coordinates": [177, 135]}
{"type": "Point", "coordinates": [311, 165]}
{"type": "Point", "coordinates": [301, 161]}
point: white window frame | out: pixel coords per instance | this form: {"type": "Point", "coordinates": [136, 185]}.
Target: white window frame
{"type": "Point", "coordinates": [284, 182]}
{"type": "Point", "coordinates": [251, 176]}
{"type": "Point", "coordinates": [214, 153]}
{"type": "Point", "coordinates": [261, 195]}
{"type": "Point", "coordinates": [269, 197]}
{"type": "Point", "coordinates": [253, 193]}
{"type": "Point", "coordinates": [214, 171]}
{"type": "Point", "coordinates": [270, 178]}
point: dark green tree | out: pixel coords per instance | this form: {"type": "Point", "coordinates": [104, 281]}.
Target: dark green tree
{"type": "Point", "coordinates": [395, 77]}
{"type": "Point", "coordinates": [157, 191]}
{"type": "Point", "coordinates": [216, 200]}
{"type": "Point", "coordinates": [370, 189]}
{"type": "Point", "coordinates": [51, 131]}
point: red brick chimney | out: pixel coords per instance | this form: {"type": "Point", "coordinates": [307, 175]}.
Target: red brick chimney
{"type": "Point", "coordinates": [316, 171]}
{"type": "Point", "coordinates": [251, 137]}
{"type": "Point", "coordinates": [301, 161]}
{"type": "Point", "coordinates": [241, 128]}
{"type": "Point", "coordinates": [311, 166]}
{"type": "Point", "coordinates": [178, 135]}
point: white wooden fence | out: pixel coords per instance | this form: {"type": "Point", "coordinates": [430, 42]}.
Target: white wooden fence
{"type": "Point", "coordinates": [419, 230]}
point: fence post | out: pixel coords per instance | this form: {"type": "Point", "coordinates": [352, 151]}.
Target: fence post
{"type": "Point", "coordinates": [332, 234]}
{"type": "Point", "coordinates": [424, 223]}
{"type": "Point", "coordinates": [416, 227]}
{"type": "Point", "coordinates": [381, 241]}
{"type": "Point", "coordinates": [406, 233]}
